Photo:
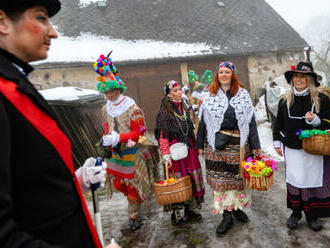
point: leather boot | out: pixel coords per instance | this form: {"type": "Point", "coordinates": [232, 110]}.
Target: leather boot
{"type": "Point", "coordinates": [190, 214]}
{"type": "Point", "coordinates": [292, 222]}
{"type": "Point", "coordinates": [226, 223]}
{"type": "Point", "coordinates": [240, 216]}
{"type": "Point", "coordinates": [134, 224]}
{"type": "Point", "coordinates": [177, 219]}
{"type": "Point", "coordinates": [313, 223]}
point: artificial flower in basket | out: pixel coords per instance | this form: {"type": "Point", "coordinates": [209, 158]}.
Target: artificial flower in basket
{"type": "Point", "coordinates": [173, 190]}
{"type": "Point", "coordinates": [258, 173]}
{"type": "Point", "coordinates": [315, 141]}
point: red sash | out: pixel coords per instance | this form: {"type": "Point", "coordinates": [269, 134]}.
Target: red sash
{"type": "Point", "coordinates": [49, 129]}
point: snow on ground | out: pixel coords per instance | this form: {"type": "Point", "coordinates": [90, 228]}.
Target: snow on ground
{"type": "Point", "coordinates": [88, 47]}
{"type": "Point", "coordinates": [264, 130]}
{"type": "Point", "coordinates": [66, 93]}
{"type": "Point", "coordinates": [85, 3]}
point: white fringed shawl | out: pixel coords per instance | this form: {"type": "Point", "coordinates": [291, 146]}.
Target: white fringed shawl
{"type": "Point", "coordinates": [213, 109]}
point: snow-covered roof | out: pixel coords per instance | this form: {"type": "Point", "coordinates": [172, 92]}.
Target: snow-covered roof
{"type": "Point", "coordinates": [68, 94]}
{"type": "Point", "coordinates": [151, 29]}
{"type": "Point", "coordinates": [87, 47]}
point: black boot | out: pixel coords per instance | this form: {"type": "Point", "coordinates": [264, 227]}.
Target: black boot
{"type": "Point", "coordinates": [240, 216]}
{"type": "Point", "coordinates": [313, 223]}
{"type": "Point", "coordinates": [225, 225]}
{"type": "Point", "coordinates": [190, 214]}
{"type": "Point", "coordinates": [292, 222]}
{"type": "Point", "coordinates": [177, 219]}
{"type": "Point", "coordinates": [134, 224]}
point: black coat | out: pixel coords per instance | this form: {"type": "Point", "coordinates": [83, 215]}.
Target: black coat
{"type": "Point", "coordinates": [285, 128]}
{"type": "Point", "coordinates": [39, 204]}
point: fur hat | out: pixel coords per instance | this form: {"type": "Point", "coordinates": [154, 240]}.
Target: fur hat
{"type": "Point", "coordinates": [302, 67]}
{"type": "Point", "coordinates": [109, 76]}
{"type": "Point", "coordinates": [52, 6]}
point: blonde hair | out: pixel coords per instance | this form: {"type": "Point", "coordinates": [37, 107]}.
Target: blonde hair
{"type": "Point", "coordinates": [314, 93]}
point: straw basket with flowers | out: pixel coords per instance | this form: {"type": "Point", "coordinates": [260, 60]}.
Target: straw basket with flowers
{"type": "Point", "coordinates": [173, 190]}
{"type": "Point", "coordinates": [258, 173]}
{"type": "Point", "coordinates": [315, 141]}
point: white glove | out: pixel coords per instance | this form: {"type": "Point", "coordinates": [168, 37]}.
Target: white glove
{"type": "Point", "coordinates": [111, 139]}
{"type": "Point", "coordinates": [194, 107]}
{"type": "Point", "coordinates": [89, 174]}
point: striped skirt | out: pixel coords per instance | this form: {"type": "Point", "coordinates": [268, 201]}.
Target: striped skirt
{"type": "Point", "coordinates": [223, 175]}
{"type": "Point", "coordinates": [313, 201]}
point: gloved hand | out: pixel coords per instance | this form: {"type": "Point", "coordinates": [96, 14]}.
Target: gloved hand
{"type": "Point", "coordinates": [89, 174]}
{"type": "Point", "coordinates": [194, 107]}
{"type": "Point", "coordinates": [111, 139]}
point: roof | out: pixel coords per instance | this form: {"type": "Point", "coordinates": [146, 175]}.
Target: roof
{"type": "Point", "coordinates": [240, 27]}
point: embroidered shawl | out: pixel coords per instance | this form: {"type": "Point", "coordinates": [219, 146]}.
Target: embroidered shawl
{"type": "Point", "coordinates": [213, 109]}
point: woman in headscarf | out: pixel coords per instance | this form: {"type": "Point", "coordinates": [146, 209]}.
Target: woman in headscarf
{"type": "Point", "coordinates": [227, 124]}
{"type": "Point", "coordinates": [174, 126]}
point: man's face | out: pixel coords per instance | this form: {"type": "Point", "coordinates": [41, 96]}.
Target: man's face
{"type": "Point", "coordinates": [112, 95]}
{"type": "Point", "coordinates": [30, 36]}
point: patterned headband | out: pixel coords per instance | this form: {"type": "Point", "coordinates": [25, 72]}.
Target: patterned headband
{"type": "Point", "coordinates": [227, 64]}
{"type": "Point", "coordinates": [170, 84]}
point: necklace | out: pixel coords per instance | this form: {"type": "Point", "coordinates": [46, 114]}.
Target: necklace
{"type": "Point", "coordinates": [183, 118]}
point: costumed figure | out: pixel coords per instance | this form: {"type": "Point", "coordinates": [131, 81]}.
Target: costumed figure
{"type": "Point", "coordinates": [199, 88]}
{"type": "Point", "coordinates": [227, 125]}
{"type": "Point", "coordinates": [41, 198]}
{"type": "Point", "coordinates": [173, 125]}
{"type": "Point", "coordinates": [133, 165]}
{"type": "Point", "coordinates": [307, 175]}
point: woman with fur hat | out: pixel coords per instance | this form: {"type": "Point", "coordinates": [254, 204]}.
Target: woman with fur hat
{"type": "Point", "coordinates": [41, 198]}
{"type": "Point", "coordinates": [307, 175]}
{"type": "Point", "coordinates": [173, 127]}
{"type": "Point", "coordinates": [227, 124]}
{"type": "Point", "coordinates": [133, 165]}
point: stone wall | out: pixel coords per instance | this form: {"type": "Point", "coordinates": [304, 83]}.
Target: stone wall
{"type": "Point", "coordinates": [267, 66]}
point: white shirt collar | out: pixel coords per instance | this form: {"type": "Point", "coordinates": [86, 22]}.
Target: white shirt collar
{"type": "Point", "coordinates": [305, 92]}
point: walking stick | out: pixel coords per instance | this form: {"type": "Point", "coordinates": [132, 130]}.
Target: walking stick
{"type": "Point", "coordinates": [97, 213]}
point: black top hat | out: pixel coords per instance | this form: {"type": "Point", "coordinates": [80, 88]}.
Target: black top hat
{"type": "Point", "coordinates": [302, 67]}
{"type": "Point", "coordinates": [52, 6]}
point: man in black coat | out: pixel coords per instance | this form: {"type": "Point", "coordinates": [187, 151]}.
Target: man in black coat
{"type": "Point", "coordinates": [41, 202]}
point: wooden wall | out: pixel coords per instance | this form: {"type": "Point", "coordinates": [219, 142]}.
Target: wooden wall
{"type": "Point", "coordinates": [145, 82]}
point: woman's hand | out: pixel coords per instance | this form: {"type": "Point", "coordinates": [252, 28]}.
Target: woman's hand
{"type": "Point", "coordinates": [257, 152]}
{"type": "Point", "coordinates": [201, 152]}
{"type": "Point", "coordinates": [279, 151]}
{"type": "Point", "coordinates": [168, 163]}
{"type": "Point", "coordinates": [309, 116]}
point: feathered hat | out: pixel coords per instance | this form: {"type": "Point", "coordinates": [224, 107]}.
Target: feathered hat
{"type": "Point", "coordinates": [109, 76]}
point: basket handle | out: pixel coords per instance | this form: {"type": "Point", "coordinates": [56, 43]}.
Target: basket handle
{"type": "Point", "coordinates": [166, 171]}
{"type": "Point", "coordinates": [326, 120]}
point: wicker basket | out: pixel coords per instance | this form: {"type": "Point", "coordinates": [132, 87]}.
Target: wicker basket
{"type": "Point", "coordinates": [178, 191]}
{"type": "Point", "coordinates": [259, 183]}
{"type": "Point", "coordinates": [317, 144]}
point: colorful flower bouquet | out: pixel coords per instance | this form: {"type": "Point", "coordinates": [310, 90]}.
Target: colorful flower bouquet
{"type": "Point", "coordinates": [258, 173]}
{"type": "Point", "coordinates": [315, 141]}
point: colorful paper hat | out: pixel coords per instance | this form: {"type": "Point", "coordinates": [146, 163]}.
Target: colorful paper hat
{"type": "Point", "coordinates": [109, 76]}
